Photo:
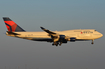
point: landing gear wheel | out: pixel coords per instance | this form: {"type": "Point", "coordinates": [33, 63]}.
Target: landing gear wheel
{"type": "Point", "coordinates": [60, 43]}
{"type": "Point", "coordinates": [52, 44]}
{"type": "Point", "coordinates": [57, 43]}
{"type": "Point", "coordinates": [92, 42]}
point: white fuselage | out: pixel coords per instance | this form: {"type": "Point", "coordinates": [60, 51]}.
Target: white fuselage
{"type": "Point", "coordinates": [79, 34]}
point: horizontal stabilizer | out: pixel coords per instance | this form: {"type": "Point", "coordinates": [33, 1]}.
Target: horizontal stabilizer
{"type": "Point", "coordinates": [12, 33]}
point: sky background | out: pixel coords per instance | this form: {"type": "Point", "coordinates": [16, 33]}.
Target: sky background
{"type": "Point", "coordinates": [54, 15]}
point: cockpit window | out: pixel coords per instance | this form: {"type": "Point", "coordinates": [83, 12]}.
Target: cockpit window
{"type": "Point", "coordinates": [95, 30]}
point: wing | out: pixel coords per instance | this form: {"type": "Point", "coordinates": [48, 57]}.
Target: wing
{"type": "Point", "coordinates": [55, 36]}
{"type": "Point", "coordinates": [48, 31]}
{"type": "Point", "coordinates": [58, 38]}
{"type": "Point", "coordinates": [52, 34]}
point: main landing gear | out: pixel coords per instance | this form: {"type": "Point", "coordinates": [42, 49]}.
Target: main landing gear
{"type": "Point", "coordinates": [92, 42]}
{"type": "Point", "coordinates": [57, 43]}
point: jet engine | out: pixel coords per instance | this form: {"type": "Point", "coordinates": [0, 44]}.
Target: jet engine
{"type": "Point", "coordinates": [62, 39]}
{"type": "Point", "coordinates": [72, 39]}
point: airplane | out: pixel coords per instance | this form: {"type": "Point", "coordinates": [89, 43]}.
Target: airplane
{"type": "Point", "coordinates": [56, 37]}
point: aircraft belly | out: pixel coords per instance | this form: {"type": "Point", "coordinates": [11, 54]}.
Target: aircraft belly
{"type": "Point", "coordinates": [38, 38]}
{"type": "Point", "coordinates": [85, 36]}
{"type": "Point", "coordinates": [43, 39]}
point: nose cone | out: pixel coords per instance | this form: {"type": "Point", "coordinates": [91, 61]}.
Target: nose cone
{"type": "Point", "coordinates": [97, 35]}
{"type": "Point", "coordinates": [101, 35]}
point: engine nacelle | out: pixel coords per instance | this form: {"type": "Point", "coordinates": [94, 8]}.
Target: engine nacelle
{"type": "Point", "coordinates": [61, 37]}
{"type": "Point", "coordinates": [72, 39]}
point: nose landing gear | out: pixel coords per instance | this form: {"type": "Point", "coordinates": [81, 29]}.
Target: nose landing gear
{"type": "Point", "coordinates": [92, 42]}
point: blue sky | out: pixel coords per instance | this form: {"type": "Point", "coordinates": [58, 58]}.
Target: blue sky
{"type": "Point", "coordinates": [53, 15]}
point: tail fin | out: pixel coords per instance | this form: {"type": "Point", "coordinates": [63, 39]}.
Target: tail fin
{"type": "Point", "coordinates": [12, 26]}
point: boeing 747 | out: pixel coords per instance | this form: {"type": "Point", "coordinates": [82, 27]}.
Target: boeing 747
{"type": "Point", "coordinates": [56, 37]}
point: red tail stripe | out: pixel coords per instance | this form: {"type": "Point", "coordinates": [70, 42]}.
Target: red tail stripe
{"type": "Point", "coordinates": [12, 24]}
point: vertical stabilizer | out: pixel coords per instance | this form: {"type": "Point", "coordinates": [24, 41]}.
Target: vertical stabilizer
{"type": "Point", "coordinates": [12, 26]}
